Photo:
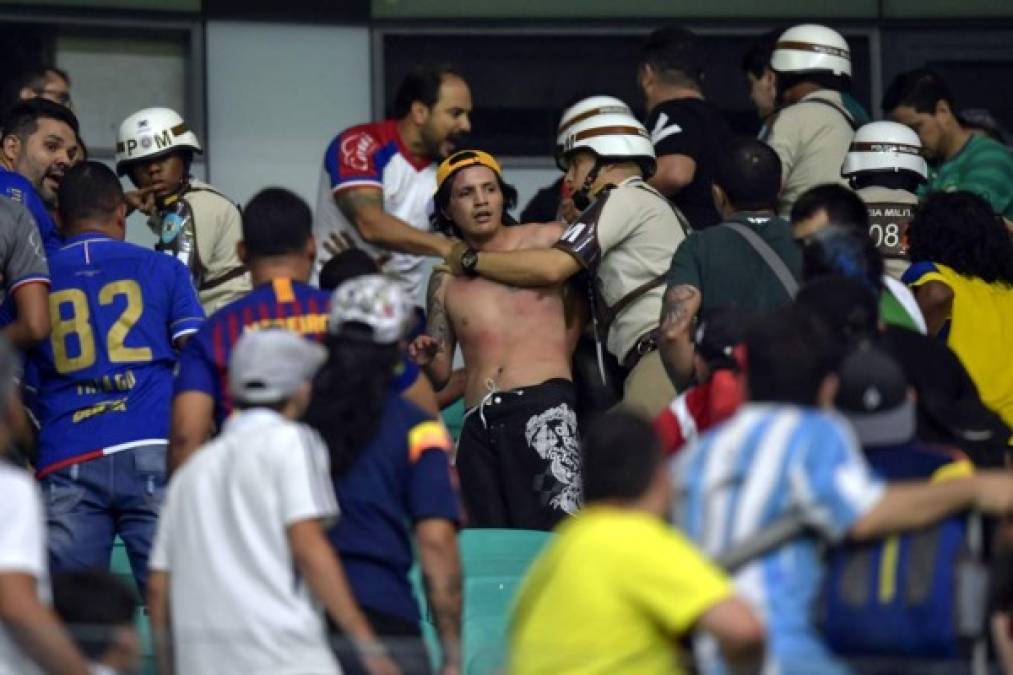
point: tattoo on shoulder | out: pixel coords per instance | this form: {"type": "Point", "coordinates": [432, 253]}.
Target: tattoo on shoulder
{"type": "Point", "coordinates": [352, 201]}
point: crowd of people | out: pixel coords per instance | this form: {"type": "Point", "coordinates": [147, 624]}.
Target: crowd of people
{"type": "Point", "coordinates": [739, 379]}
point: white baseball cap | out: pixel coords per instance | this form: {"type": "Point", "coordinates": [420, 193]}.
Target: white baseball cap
{"type": "Point", "coordinates": [270, 364]}
{"type": "Point", "coordinates": [374, 301]}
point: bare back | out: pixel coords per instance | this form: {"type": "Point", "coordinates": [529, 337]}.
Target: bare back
{"type": "Point", "coordinates": [513, 337]}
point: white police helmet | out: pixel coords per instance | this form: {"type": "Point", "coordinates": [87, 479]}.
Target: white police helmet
{"type": "Point", "coordinates": [612, 136]}
{"type": "Point", "coordinates": [885, 146]}
{"type": "Point", "coordinates": [809, 48]}
{"type": "Point", "coordinates": [151, 133]}
{"type": "Point", "coordinates": [582, 110]}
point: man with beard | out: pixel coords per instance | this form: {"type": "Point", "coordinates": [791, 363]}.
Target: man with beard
{"type": "Point", "coordinates": [518, 456]}
{"type": "Point", "coordinates": [377, 178]}
{"type": "Point", "coordinates": [39, 144]}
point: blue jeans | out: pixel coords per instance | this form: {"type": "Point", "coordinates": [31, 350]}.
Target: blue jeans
{"type": "Point", "coordinates": [88, 504]}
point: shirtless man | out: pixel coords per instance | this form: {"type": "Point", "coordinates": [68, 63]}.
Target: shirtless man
{"type": "Point", "coordinates": [518, 456]}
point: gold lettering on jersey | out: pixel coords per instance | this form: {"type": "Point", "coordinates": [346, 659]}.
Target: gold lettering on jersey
{"type": "Point", "coordinates": [306, 324]}
{"type": "Point", "coordinates": [118, 405]}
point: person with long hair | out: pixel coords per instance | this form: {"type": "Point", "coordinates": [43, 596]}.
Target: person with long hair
{"type": "Point", "coordinates": [391, 467]}
{"type": "Point", "coordinates": [962, 276]}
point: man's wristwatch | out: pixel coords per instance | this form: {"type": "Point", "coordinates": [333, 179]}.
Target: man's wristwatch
{"type": "Point", "coordinates": [469, 261]}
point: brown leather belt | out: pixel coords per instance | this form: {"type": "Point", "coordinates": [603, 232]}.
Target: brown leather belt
{"type": "Point", "coordinates": [645, 344]}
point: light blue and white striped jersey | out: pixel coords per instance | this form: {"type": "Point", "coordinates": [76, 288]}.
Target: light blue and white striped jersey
{"type": "Point", "coordinates": [747, 473]}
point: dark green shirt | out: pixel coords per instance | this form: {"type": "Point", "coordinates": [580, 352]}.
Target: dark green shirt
{"type": "Point", "coordinates": [729, 272]}
{"type": "Point", "coordinates": [983, 166]}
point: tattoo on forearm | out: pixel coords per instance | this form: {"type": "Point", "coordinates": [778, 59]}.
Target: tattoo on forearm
{"type": "Point", "coordinates": [352, 201]}
{"type": "Point", "coordinates": [675, 309]}
{"type": "Point", "coordinates": [438, 321]}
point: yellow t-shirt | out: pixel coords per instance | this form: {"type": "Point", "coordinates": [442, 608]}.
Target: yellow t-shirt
{"type": "Point", "coordinates": [612, 593]}
{"type": "Point", "coordinates": [980, 333]}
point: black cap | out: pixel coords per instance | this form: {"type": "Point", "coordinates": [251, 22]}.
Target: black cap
{"type": "Point", "coordinates": [873, 396]}
{"type": "Point", "coordinates": [720, 330]}
{"type": "Point", "coordinates": [749, 171]}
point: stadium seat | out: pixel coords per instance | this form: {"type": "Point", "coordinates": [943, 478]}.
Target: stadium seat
{"type": "Point", "coordinates": [494, 562]}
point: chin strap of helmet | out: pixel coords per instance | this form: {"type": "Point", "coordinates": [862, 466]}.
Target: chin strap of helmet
{"type": "Point", "coordinates": [582, 197]}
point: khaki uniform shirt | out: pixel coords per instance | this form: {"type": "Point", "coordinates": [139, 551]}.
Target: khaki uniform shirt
{"type": "Point", "coordinates": [890, 212]}
{"type": "Point", "coordinates": [626, 239]}
{"type": "Point", "coordinates": [217, 228]}
{"type": "Point", "coordinates": [811, 139]}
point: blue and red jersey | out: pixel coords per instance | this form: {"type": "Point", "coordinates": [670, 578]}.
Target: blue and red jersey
{"type": "Point", "coordinates": [103, 380]}
{"type": "Point", "coordinates": [281, 303]}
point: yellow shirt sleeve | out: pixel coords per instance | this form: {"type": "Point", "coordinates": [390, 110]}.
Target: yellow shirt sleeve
{"type": "Point", "coordinates": [672, 581]}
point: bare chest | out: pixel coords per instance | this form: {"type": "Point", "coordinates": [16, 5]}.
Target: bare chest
{"type": "Point", "coordinates": [485, 310]}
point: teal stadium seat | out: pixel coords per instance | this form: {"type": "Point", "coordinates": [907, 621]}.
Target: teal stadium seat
{"type": "Point", "coordinates": [495, 562]}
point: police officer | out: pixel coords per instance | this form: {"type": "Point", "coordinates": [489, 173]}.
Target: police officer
{"type": "Point", "coordinates": [192, 220]}
{"type": "Point", "coordinates": [624, 239]}
{"type": "Point", "coordinates": [885, 167]}
{"type": "Point", "coordinates": [813, 128]}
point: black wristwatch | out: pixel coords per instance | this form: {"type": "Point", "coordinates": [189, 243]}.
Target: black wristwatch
{"type": "Point", "coordinates": [469, 261]}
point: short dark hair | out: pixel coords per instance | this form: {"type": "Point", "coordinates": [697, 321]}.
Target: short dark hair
{"type": "Point", "coordinates": [960, 230]}
{"type": "Point", "coordinates": [276, 221]}
{"type": "Point", "coordinates": [620, 454]}
{"type": "Point", "coordinates": [673, 53]}
{"type": "Point", "coordinates": [348, 264]}
{"type": "Point", "coordinates": [89, 190]}
{"type": "Point", "coordinates": [756, 60]}
{"type": "Point", "coordinates": [841, 251]}
{"type": "Point", "coordinates": [35, 78]}
{"type": "Point", "coordinates": [93, 604]}
{"type": "Point", "coordinates": [844, 208]}
{"type": "Point", "coordinates": [749, 172]}
{"type": "Point", "coordinates": [847, 307]}
{"type": "Point", "coordinates": [441, 200]}
{"type": "Point", "coordinates": [789, 352]}
{"type": "Point", "coordinates": [422, 84]}
{"type": "Point", "coordinates": [920, 89]}
{"type": "Point", "coordinates": [22, 119]}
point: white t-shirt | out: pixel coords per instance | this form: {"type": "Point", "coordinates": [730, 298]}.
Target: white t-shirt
{"type": "Point", "coordinates": [22, 550]}
{"type": "Point", "coordinates": [372, 155]}
{"type": "Point", "coordinates": [237, 604]}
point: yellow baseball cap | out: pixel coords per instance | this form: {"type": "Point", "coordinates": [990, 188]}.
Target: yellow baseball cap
{"type": "Point", "coordinates": [462, 159]}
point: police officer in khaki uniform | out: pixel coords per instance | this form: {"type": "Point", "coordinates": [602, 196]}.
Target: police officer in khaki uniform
{"type": "Point", "coordinates": [192, 220]}
{"type": "Point", "coordinates": [624, 239]}
{"type": "Point", "coordinates": [885, 167]}
{"type": "Point", "coordinates": [812, 129]}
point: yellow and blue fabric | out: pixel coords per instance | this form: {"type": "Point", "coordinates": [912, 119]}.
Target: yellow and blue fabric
{"type": "Point", "coordinates": [614, 592]}
{"type": "Point", "coordinates": [401, 477]}
{"type": "Point", "coordinates": [103, 379]}
{"type": "Point", "coordinates": [980, 331]}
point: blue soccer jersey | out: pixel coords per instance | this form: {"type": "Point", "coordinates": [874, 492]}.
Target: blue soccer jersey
{"type": "Point", "coordinates": [103, 379]}
{"type": "Point", "coordinates": [282, 303]}
{"type": "Point", "coordinates": [16, 187]}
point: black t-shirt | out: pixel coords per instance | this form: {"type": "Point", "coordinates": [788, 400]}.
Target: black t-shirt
{"type": "Point", "coordinates": [695, 128]}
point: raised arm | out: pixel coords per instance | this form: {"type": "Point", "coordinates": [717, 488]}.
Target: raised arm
{"type": "Point", "coordinates": [363, 207]}
{"type": "Point", "coordinates": [434, 351]}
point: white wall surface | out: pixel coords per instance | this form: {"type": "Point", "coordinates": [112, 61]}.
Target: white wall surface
{"type": "Point", "coordinates": [276, 95]}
